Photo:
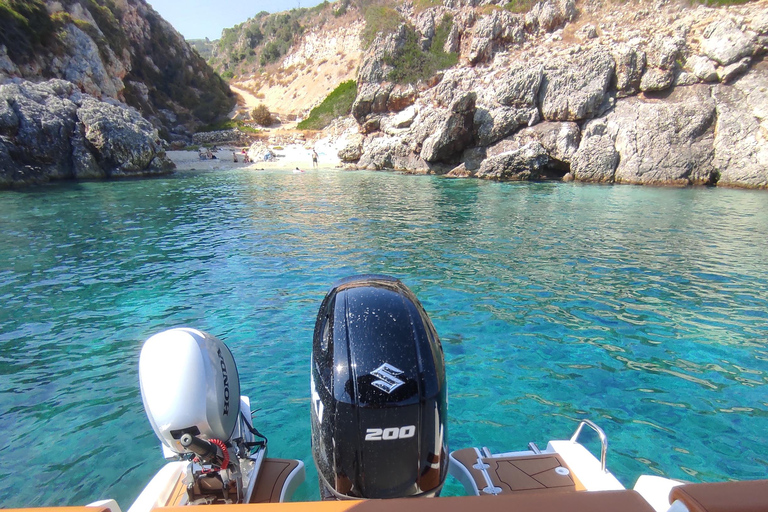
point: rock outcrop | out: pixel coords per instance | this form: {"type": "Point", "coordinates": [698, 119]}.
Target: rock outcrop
{"type": "Point", "coordinates": [656, 95]}
{"type": "Point", "coordinates": [741, 132]}
{"type": "Point", "coordinates": [657, 143]}
{"type": "Point", "coordinates": [121, 51]}
{"type": "Point", "coordinates": [52, 131]}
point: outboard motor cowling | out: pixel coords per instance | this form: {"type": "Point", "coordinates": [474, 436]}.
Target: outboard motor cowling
{"type": "Point", "coordinates": [191, 394]}
{"type": "Point", "coordinates": [189, 384]}
{"type": "Point", "coordinates": [378, 393]}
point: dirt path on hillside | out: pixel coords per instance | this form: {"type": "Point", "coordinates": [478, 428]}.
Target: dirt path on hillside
{"type": "Point", "coordinates": [250, 100]}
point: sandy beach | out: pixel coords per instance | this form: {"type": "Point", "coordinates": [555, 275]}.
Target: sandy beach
{"type": "Point", "coordinates": [288, 157]}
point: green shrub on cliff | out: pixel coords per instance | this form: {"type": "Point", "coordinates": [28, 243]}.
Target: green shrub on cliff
{"type": "Point", "coordinates": [263, 39]}
{"type": "Point", "coordinates": [228, 124]}
{"type": "Point", "coordinates": [25, 26]}
{"type": "Point", "coordinates": [414, 64]}
{"type": "Point", "coordinates": [519, 6]}
{"type": "Point", "coordinates": [340, 7]}
{"type": "Point", "coordinates": [105, 13]}
{"type": "Point", "coordinates": [421, 5]}
{"type": "Point", "coordinates": [337, 104]}
{"type": "Point", "coordinates": [379, 19]}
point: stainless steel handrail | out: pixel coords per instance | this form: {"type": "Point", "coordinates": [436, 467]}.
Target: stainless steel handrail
{"type": "Point", "coordinates": [601, 435]}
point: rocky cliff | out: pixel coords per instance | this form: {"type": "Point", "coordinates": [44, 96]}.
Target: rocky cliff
{"type": "Point", "coordinates": [89, 87]}
{"type": "Point", "coordinates": [51, 131]}
{"type": "Point", "coordinates": [643, 92]}
{"type": "Point", "coordinates": [113, 50]}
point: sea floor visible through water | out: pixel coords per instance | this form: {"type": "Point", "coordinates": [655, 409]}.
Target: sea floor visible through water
{"type": "Point", "coordinates": [643, 309]}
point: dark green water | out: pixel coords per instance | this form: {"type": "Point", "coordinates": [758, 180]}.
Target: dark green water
{"type": "Point", "coordinates": [643, 309]}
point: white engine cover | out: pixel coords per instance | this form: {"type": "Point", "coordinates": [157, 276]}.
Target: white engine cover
{"type": "Point", "coordinates": [188, 379]}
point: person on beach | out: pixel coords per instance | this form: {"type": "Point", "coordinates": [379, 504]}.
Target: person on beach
{"type": "Point", "coordinates": [314, 158]}
{"type": "Point", "coordinates": [234, 157]}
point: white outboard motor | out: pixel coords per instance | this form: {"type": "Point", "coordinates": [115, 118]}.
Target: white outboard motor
{"type": "Point", "coordinates": [191, 393]}
{"type": "Point", "coordinates": [189, 384]}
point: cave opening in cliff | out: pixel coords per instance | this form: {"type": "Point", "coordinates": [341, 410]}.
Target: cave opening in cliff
{"type": "Point", "coordinates": [555, 170]}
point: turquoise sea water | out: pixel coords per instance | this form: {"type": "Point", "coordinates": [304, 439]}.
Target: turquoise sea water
{"type": "Point", "coordinates": [643, 309]}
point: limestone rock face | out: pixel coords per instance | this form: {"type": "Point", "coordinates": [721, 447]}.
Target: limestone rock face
{"type": "Point", "coordinates": [575, 90]}
{"type": "Point", "coordinates": [732, 71]}
{"type": "Point", "coordinates": [400, 122]}
{"type": "Point", "coordinates": [122, 51]}
{"type": "Point", "coordinates": [495, 124]}
{"type": "Point", "coordinates": [559, 140]}
{"type": "Point", "coordinates": [497, 27]}
{"type": "Point", "coordinates": [656, 79]}
{"type": "Point", "coordinates": [363, 103]}
{"type": "Point", "coordinates": [662, 95]}
{"type": "Point", "coordinates": [662, 60]}
{"type": "Point", "coordinates": [375, 98]}
{"type": "Point", "coordinates": [741, 137]}
{"type": "Point", "coordinates": [726, 43]}
{"type": "Point", "coordinates": [550, 14]}
{"type": "Point", "coordinates": [353, 149]}
{"type": "Point", "coordinates": [88, 71]}
{"type": "Point", "coordinates": [703, 68]}
{"type": "Point", "coordinates": [50, 131]}
{"type": "Point", "coordinates": [37, 127]}
{"type": "Point", "coordinates": [453, 133]}
{"type": "Point", "coordinates": [630, 66]}
{"type": "Point", "coordinates": [665, 143]}
{"type": "Point", "coordinates": [374, 67]}
{"type": "Point", "coordinates": [401, 97]}
{"type": "Point", "coordinates": [122, 139]}
{"type": "Point", "coordinates": [519, 86]}
{"type": "Point", "coordinates": [596, 159]}
{"type": "Point", "coordinates": [385, 152]}
{"type": "Point", "coordinates": [522, 164]}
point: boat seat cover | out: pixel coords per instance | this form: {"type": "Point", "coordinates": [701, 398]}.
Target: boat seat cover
{"type": "Point", "coordinates": [272, 478]}
{"type": "Point", "coordinates": [530, 473]}
{"type": "Point", "coordinates": [744, 496]}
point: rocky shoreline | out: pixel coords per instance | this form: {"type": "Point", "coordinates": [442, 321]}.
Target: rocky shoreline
{"type": "Point", "coordinates": [51, 131]}
{"type": "Point", "coordinates": [651, 93]}
{"type": "Point", "coordinates": [680, 97]}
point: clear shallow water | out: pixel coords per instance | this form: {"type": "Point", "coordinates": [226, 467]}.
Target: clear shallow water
{"type": "Point", "coordinates": [643, 309]}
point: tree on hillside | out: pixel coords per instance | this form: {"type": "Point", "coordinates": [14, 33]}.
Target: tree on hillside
{"type": "Point", "coordinates": [261, 115]}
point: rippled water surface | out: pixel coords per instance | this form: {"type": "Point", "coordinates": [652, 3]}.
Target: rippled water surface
{"type": "Point", "coordinates": [643, 309]}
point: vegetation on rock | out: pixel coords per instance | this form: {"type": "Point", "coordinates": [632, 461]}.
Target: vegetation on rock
{"type": "Point", "coordinates": [25, 27]}
{"type": "Point", "coordinates": [229, 124]}
{"type": "Point", "coordinates": [421, 5]}
{"type": "Point", "coordinates": [337, 104]}
{"type": "Point", "coordinates": [414, 64]}
{"type": "Point", "coordinates": [265, 38]}
{"type": "Point", "coordinates": [380, 18]}
{"type": "Point", "coordinates": [204, 47]}
{"type": "Point", "coordinates": [262, 116]}
{"type": "Point", "coordinates": [519, 6]}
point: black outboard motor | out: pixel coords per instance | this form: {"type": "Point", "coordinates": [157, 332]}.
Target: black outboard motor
{"type": "Point", "coordinates": [378, 393]}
